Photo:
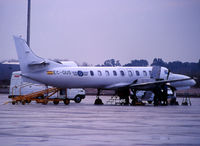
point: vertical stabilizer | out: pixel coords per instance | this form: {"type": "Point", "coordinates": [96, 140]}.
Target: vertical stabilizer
{"type": "Point", "coordinates": [29, 62]}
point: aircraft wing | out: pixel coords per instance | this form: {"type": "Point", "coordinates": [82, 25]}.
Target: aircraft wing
{"type": "Point", "coordinates": [116, 86]}
{"type": "Point", "coordinates": [144, 85]}
{"type": "Point", "coordinates": [153, 84]}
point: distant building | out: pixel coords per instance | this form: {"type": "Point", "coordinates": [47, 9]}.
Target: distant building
{"type": "Point", "coordinates": [6, 69]}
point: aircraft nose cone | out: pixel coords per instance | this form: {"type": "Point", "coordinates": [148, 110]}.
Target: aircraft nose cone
{"type": "Point", "coordinates": [193, 82]}
{"type": "Point", "coordinates": [190, 82]}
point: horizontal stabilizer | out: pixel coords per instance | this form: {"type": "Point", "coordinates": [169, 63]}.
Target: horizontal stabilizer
{"type": "Point", "coordinates": [43, 63]}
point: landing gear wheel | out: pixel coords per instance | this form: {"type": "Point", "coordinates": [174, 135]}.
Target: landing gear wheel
{"type": "Point", "coordinates": [98, 101]}
{"type": "Point", "coordinates": [165, 103]}
{"type": "Point", "coordinates": [77, 99]}
{"type": "Point", "coordinates": [56, 102]}
{"type": "Point", "coordinates": [133, 102]}
{"type": "Point", "coordinates": [156, 101]}
{"type": "Point", "coordinates": [126, 101]}
{"type": "Point", "coordinates": [23, 102]}
{"type": "Point", "coordinates": [45, 102]}
{"type": "Point", "coordinates": [66, 101]}
{"type": "Point", "coordinates": [28, 101]}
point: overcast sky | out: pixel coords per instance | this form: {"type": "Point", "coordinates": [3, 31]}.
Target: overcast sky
{"type": "Point", "coordinates": [95, 30]}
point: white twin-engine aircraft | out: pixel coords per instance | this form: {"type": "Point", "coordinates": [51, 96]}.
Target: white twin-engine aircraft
{"type": "Point", "coordinates": [123, 80]}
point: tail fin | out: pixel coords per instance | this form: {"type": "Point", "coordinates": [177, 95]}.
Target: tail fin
{"type": "Point", "coordinates": [29, 62]}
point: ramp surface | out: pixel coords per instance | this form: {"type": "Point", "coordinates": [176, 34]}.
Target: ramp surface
{"type": "Point", "coordinates": [88, 125]}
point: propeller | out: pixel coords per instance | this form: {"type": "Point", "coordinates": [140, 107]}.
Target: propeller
{"type": "Point", "coordinates": [194, 78]}
{"type": "Point", "coordinates": [168, 74]}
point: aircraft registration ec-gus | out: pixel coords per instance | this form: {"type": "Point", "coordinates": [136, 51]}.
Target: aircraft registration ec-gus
{"type": "Point", "coordinates": [124, 80]}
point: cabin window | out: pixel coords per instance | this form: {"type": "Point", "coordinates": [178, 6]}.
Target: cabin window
{"type": "Point", "coordinates": [122, 73]}
{"type": "Point", "coordinates": [150, 73]}
{"type": "Point", "coordinates": [144, 73]}
{"type": "Point", "coordinates": [130, 73]}
{"type": "Point", "coordinates": [91, 73]}
{"type": "Point", "coordinates": [99, 73]}
{"type": "Point", "coordinates": [114, 73]}
{"type": "Point", "coordinates": [107, 73]}
{"type": "Point", "coordinates": [137, 73]}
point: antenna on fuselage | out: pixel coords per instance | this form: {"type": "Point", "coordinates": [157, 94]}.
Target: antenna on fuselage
{"type": "Point", "coordinates": [28, 22]}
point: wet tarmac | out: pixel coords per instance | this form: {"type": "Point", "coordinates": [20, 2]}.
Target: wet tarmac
{"type": "Point", "coordinates": [85, 124]}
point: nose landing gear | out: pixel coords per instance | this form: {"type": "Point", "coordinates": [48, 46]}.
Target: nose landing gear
{"type": "Point", "coordinates": [98, 101]}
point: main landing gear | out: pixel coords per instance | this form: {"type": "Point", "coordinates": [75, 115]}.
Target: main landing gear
{"type": "Point", "coordinates": [124, 94]}
{"type": "Point", "coordinates": [160, 95]}
{"type": "Point", "coordinates": [135, 101]}
{"type": "Point", "coordinates": [98, 101]}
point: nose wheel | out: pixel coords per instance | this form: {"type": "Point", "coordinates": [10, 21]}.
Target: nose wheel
{"type": "Point", "coordinates": [98, 101]}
